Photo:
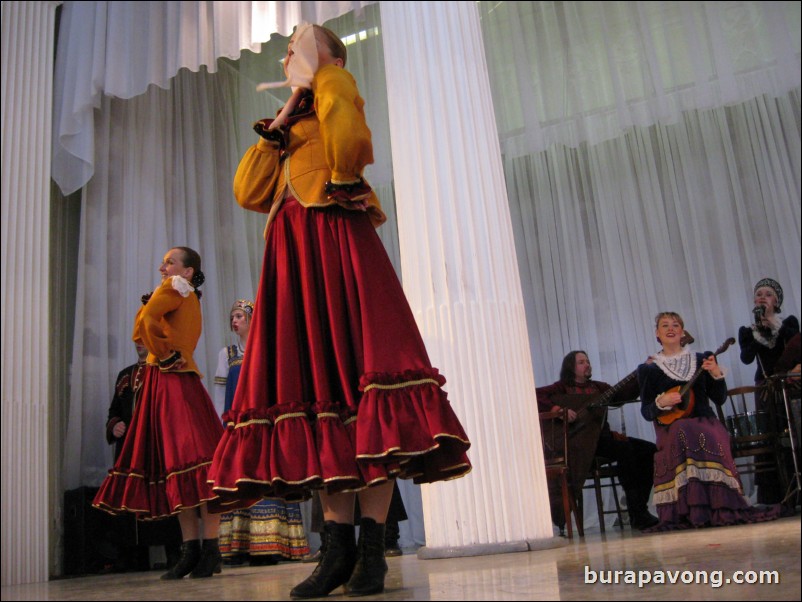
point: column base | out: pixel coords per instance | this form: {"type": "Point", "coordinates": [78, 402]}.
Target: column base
{"type": "Point", "coordinates": [429, 553]}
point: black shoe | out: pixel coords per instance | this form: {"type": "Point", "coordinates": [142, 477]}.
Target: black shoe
{"type": "Point", "coordinates": [392, 550]}
{"type": "Point", "coordinates": [210, 561]}
{"type": "Point", "coordinates": [370, 569]}
{"type": "Point", "coordinates": [391, 535]}
{"type": "Point", "coordinates": [335, 566]}
{"type": "Point", "coordinates": [190, 555]}
{"type": "Point", "coordinates": [264, 560]}
{"type": "Point", "coordinates": [236, 560]}
{"type": "Point", "coordinates": [643, 520]}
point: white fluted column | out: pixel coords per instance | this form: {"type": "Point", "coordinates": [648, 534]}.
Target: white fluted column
{"type": "Point", "coordinates": [28, 33]}
{"type": "Point", "coordinates": [461, 276]}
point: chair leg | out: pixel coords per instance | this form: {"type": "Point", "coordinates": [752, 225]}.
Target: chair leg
{"type": "Point", "coordinates": [599, 503]}
{"type": "Point", "coordinates": [617, 503]}
{"type": "Point", "coordinates": [578, 516]}
{"type": "Point", "coordinates": [567, 505]}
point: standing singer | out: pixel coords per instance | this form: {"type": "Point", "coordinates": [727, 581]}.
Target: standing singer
{"type": "Point", "coordinates": [766, 339]}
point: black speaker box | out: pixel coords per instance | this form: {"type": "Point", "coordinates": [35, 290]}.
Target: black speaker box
{"type": "Point", "coordinates": [98, 542]}
{"type": "Point", "coordinates": [94, 541]}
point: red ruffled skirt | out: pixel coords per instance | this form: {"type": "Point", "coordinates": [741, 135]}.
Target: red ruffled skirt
{"type": "Point", "coordinates": [336, 389]}
{"type": "Point", "coordinates": [164, 462]}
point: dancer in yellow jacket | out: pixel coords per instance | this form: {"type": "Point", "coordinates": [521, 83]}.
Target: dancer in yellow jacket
{"type": "Point", "coordinates": [336, 391]}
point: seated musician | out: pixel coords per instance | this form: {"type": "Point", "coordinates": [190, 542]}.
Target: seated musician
{"type": "Point", "coordinates": [595, 438]}
{"type": "Point", "coordinates": [696, 483]}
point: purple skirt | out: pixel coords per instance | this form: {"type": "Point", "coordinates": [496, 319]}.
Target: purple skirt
{"type": "Point", "coordinates": [696, 481]}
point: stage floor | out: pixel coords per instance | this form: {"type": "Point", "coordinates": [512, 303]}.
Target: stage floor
{"type": "Point", "coordinates": [715, 555]}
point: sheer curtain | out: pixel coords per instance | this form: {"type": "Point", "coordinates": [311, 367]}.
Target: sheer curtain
{"type": "Point", "coordinates": [120, 48]}
{"type": "Point", "coordinates": [652, 159]}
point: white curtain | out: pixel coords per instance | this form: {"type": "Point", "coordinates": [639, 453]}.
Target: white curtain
{"type": "Point", "coordinates": [684, 218]}
{"type": "Point", "coordinates": [575, 72]}
{"type": "Point", "coordinates": [119, 49]}
{"type": "Point", "coordinates": [652, 159]}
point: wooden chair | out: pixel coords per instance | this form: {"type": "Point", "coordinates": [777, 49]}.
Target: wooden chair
{"type": "Point", "coordinates": [554, 432]}
{"type": "Point", "coordinates": [605, 469]}
{"type": "Point", "coordinates": [754, 439]}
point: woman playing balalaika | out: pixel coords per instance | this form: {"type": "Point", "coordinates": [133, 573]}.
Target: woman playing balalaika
{"type": "Point", "coordinates": [696, 483]}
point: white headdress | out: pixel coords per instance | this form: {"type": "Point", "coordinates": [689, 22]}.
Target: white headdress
{"type": "Point", "coordinates": [300, 71]}
{"type": "Point", "coordinates": [304, 61]}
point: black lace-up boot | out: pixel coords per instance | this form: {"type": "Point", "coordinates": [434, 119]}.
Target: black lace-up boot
{"type": "Point", "coordinates": [335, 566]}
{"type": "Point", "coordinates": [190, 555]}
{"type": "Point", "coordinates": [368, 577]}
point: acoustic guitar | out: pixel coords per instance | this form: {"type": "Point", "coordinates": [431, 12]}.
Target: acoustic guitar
{"type": "Point", "coordinates": [588, 408]}
{"type": "Point", "coordinates": [685, 407]}
{"type": "Point", "coordinates": [584, 431]}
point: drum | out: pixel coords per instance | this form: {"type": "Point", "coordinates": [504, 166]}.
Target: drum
{"type": "Point", "coordinates": [758, 424]}
{"type": "Point", "coordinates": [738, 427]}
{"type": "Point", "coordinates": [751, 424]}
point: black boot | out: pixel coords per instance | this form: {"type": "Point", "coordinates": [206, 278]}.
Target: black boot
{"type": "Point", "coordinates": [642, 520]}
{"type": "Point", "coordinates": [639, 515]}
{"type": "Point", "coordinates": [210, 560]}
{"type": "Point", "coordinates": [190, 554]}
{"type": "Point", "coordinates": [391, 535]}
{"type": "Point", "coordinates": [336, 563]}
{"type": "Point", "coordinates": [368, 577]}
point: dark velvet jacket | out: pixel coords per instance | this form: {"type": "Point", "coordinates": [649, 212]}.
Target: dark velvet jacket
{"type": "Point", "coordinates": [653, 381]}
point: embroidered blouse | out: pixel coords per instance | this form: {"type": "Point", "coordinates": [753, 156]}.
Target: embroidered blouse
{"type": "Point", "coordinates": [667, 372]}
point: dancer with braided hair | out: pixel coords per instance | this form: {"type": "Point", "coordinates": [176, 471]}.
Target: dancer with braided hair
{"type": "Point", "coordinates": [162, 467]}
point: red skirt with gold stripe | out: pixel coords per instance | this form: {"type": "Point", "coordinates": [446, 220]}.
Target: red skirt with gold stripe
{"type": "Point", "coordinates": [336, 389]}
{"type": "Point", "coordinates": [164, 462]}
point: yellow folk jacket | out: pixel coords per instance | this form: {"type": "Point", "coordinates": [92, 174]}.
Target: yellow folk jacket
{"type": "Point", "coordinates": [332, 143]}
{"type": "Point", "coordinates": [170, 321]}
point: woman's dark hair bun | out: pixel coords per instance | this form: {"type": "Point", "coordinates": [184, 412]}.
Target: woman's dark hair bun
{"type": "Point", "coordinates": [197, 279]}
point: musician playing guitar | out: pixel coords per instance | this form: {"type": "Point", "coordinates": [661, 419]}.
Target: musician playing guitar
{"type": "Point", "coordinates": [591, 436]}
{"type": "Point", "coordinates": [674, 366]}
{"type": "Point", "coordinates": [696, 483]}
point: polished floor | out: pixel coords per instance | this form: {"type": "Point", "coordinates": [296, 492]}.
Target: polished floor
{"type": "Point", "coordinates": [712, 561]}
